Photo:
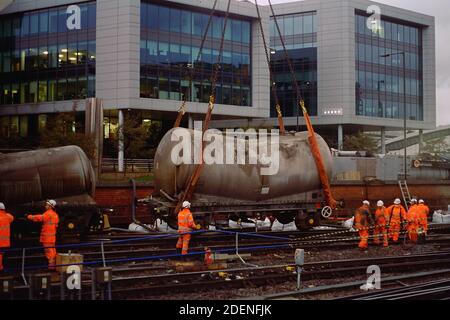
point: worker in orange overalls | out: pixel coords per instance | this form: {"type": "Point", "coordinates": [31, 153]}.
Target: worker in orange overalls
{"type": "Point", "coordinates": [185, 225]}
{"type": "Point", "coordinates": [412, 219]}
{"type": "Point", "coordinates": [423, 212]}
{"type": "Point", "coordinates": [381, 222]}
{"type": "Point", "coordinates": [5, 222]}
{"type": "Point", "coordinates": [49, 220]}
{"type": "Point", "coordinates": [362, 223]}
{"type": "Point", "coordinates": [397, 214]}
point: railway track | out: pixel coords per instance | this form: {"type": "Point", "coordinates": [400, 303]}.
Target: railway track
{"type": "Point", "coordinates": [434, 290]}
{"type": "Point", "coordinates": [270, 275]}
{"type": "Point", "coordinates": [132, 282]}
{"type": "Point", "coordinates": [149, 248]}
{"type": "Point", "coordinates": [149, 251]}
{"type": "Point", "coordinates": [391, 281]}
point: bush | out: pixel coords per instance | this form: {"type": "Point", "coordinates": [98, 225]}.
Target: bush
{"type": "Point", "coordinates": [360, 142]}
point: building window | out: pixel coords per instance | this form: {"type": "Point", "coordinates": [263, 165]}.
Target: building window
{"type": "Point", "coordinates": [299, 34]}
{"type": "Point", "coordinates": [380, 80]}
{"type": "Point", "coordinates": [35, 56]}
{"type": "Point", "coordinates": [169, 53]}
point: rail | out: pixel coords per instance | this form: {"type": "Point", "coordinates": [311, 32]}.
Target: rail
{"type": "Point", "coordinates": [236, 249]}
{"type": "Point", "coordinates": [135, 165]}
{"type": "Point", "coordinates": [105, 262]}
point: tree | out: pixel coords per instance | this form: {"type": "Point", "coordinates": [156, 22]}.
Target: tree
{"type": "Point", "coordinates": [136, 137]}
{"type": "Point", "coordinates": [360, 142]}
{"type": "Point", "coordinates": [63, 130]}
{"type": "Point", "coordinates": [437, 146]}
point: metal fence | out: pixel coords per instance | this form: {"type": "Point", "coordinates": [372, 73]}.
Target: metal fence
{"type": "Point", "coordinates": [130, 165]}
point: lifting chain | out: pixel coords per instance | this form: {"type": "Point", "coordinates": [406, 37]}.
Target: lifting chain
{"type": "Point", "coordinates": [315, 150]}
{"type": "Point", "coordinates": [272, 80]}
{"type": "Point", "coordinates": [182, 110]}
{"type": "Point", "coordinates": [193, 179]}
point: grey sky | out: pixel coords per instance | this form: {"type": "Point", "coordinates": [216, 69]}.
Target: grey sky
{"type": "Point", "coordinates": [441, 10]}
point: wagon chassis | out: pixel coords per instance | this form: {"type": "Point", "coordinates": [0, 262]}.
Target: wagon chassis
{"type": "Point", "coordinates": [306, 214]}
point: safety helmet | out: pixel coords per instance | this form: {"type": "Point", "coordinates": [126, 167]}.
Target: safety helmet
{"type": "Point", "coordinates": [397, 201]}
{"type": "Point", "coordinates": [380, 203]}
{"type": "Point", "coordinates": [421, 201]}
{"type": "Point", "coordinates": [413, 200]}
{"type": "Point", "coordinates": [367, 203]}
{"type": "Point", "coordinates": [2, 206]}
{"type": "Point", "coordinates": [51, 203]}
{"type": "Point", "coordinates": [186, 204]}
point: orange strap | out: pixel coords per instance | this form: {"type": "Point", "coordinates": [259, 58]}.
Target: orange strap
{"type": "Point", "coordinates": [315, 150]}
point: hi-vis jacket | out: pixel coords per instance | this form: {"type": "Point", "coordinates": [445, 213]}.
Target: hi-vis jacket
{"type": "Point", "coordinates": [50, 222]}
{"type": "Point", "coordinates": [5, 221]}
{"type": "Point", "coordinates": [185, 221]}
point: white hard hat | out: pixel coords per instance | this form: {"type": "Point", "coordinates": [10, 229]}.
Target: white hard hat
{"type": "Point", "coordinates": [397, 201]}
{"type": "Point", "coordinates": [380, 203]}
{"type": "Point", "coordinates": [413, 200]}
{"type": "Point", "coordinates": [186, 204]}
{"type": "Point", "coordinates": [2, 206]}
{"type": "Point", "coordinates": [421, 201]}
{"type": "Point", "coordinates": [51, 203]}
{"type": "Point", "coordinates": [366, 202]}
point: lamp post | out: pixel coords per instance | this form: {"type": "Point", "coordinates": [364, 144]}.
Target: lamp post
{"type": "Point", "coordinates": [380, 105]}
{"type": "Point", "coordinates": [404, 103]}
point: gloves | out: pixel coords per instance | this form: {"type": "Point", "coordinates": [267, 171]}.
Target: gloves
{"type": "Point", "coordinates": [198, 227]}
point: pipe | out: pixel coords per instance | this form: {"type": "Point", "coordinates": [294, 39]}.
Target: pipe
{"type": "Point", "coordinates": [167, 195]}
{"type": "Point", "coordinates": [127, 230]}
{"type": "Point", "coordinates": [133, 208]}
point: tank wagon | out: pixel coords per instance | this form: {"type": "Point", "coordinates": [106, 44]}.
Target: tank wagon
{"type": "Point", "coordinates": [239, 192]}
{"type": "Point", "coordinates": [64, 174]}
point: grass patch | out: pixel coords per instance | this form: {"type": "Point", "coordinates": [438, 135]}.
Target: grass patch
{"type": "Point", "coordinates": [125, 177]}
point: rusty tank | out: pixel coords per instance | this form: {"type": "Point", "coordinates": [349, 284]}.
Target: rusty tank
{"type": "Point", "coordinates": [64, 174]}
{"type": "Point", "coordinates": [32, 176]}
{"type": "Point", "coordinates": [297, 172]}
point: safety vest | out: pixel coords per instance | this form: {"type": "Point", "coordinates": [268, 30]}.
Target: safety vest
{"type": "Point", "coordinates": [185, 221]}
{"type": "Point", "coordinates": [423, 210]}
{"type": "Point", "coordinates": [397, 213]}
{"type": "Point", "coordinates": [5, 221]}
{"type": "Point", "coordinates": [413, 214]}
{"type": "Point", "coordinates": [362, 218]}
{"type": "Point", "coordinates": [381, 217]}
{"type": "Point", "coordinates": [50, 222]}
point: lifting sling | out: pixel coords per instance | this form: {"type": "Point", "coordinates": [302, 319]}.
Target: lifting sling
{"type": "Point", "coordinates": [193, 179]}
{"type": "Point", "coordinates": [182, 110]}
{"type": "Point", "coordinates": [272, 80]}
{"type": "Point", "coordinates": [315, 150]}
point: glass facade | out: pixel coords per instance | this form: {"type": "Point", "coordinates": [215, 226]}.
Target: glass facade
{"type": "Point", "coordinates": [42, 60]}
{"type": "Point", "coordinates": [380, 80]}
{"type": "Point", "coordinates": [170, 41]}
{"type": "Point", "coordinates": [300, 37]}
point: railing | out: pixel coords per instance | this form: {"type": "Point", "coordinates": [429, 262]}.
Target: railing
{"type": "Point", "coordinates": [130, 165]}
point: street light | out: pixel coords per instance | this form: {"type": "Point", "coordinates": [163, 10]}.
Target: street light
{"type": "Point", "coordinates": [380, 105]}
{"type": "Point", "coordinates": [404, 103]}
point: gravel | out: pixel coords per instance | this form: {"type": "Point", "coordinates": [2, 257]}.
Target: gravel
{"type": "Point", "coordinates": [310, 256]}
